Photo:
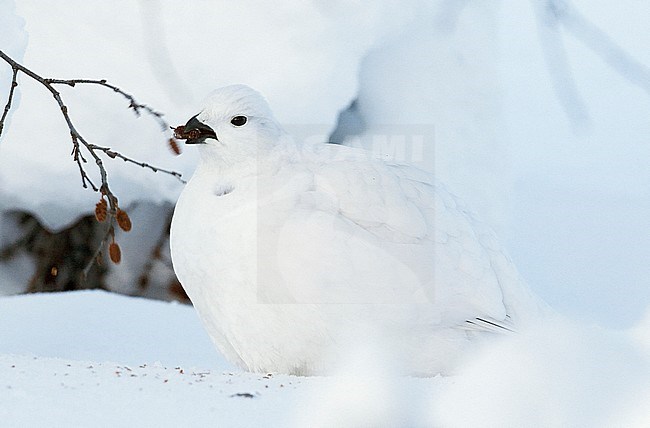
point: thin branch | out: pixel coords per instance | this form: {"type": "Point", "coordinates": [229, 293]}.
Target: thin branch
{"type": "Point", "coordinates": [27, 240]}
{"type": "Point", "coordinates": [558, 67]}
{"type": "Point", "coordinates": [74, 134]}
{"type": "Point", "coordinates": [79, 159]}
{"type": "Point", "coordinates": [133, 104]}
{"type": "Point", "coordinates": [601, 44]}
{"type": "Point", "coordinates": [78, 140]}
{"type": "Point", "coordinates": [113, 154]}
{"type": "Point", "coordinates": [14, 83]}
{"type": "Point", "coordinates": [110, 232]}
{"type": "Point", "coordinates": [155, 254]}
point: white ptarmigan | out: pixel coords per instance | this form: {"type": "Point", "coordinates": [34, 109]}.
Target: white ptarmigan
{"type": "Point", "coordinates": [291, 253]}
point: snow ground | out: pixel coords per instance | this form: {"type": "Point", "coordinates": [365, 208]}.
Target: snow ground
{"type": "Point", "coordinates": [98, 359]}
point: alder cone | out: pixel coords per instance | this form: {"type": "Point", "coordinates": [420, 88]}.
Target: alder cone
{"type": "Point", "coordinates": [123, 220]}
{"type": "Point", "coordinates": [101, 210]}
{"type": "Point", "coordinates": [173, 144]}
{"type": "Point", "coordinates": [115, 253]}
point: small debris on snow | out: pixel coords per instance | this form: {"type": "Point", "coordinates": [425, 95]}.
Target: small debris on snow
{"type": "Point", "coordinates": [243, 395]}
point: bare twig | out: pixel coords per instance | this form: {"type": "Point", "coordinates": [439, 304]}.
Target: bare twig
{"type": "Point", "coordinates": [74, 134]}
{"type": "Point", "coordinates": [14, 83]}
{"type": "Point", "coordinates": [78, 141]}
{"type": "Point", "coordinates": [33, 229]}
{"type": "Point", "coordinates": [600, 43]}
{"type": "Point", "coordinates": [155, 255]}
{"type": "Point", "coordinates": [113, 154]}
{"type": "Point", "coordinates": [557, 63]}
{"type": "Point", "coordinates": [133, 104]}
{"type": "Point", "coordinates": [110, 232]}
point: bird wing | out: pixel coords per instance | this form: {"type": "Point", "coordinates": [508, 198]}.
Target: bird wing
{"type": "Point", "coordinates": [373, 233]}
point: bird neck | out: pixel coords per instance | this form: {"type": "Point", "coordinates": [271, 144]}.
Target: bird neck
{"type": "Point", "coordinates": [229, 166]}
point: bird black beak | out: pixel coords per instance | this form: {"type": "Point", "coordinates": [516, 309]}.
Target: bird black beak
{"type": "Point", "coordinates": [198, 131]}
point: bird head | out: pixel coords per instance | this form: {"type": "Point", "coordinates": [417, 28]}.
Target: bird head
{"type": "Point", "coordinates": [235, 123]}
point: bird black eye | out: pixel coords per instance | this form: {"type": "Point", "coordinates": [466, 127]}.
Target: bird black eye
{"type": "Point", "coordinates": [239, 120]}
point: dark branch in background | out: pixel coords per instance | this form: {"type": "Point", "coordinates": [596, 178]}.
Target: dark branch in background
{"type": "Point", "coordinates": [556, 13]}
{"type": "Point", "coordinates": [79, 142]}
{"type": "Point", "coordinates": [156, 255]}
{"type": "Point", "coordinates": [58, 257]}
{"type": "Point", "coordinates": [602, 45]}
{"type": "Point", "coordinates": [160, 255]}
{"type": "Point", "coordinates": [557, 61]}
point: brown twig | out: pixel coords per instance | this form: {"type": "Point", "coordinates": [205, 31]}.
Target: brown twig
{"type": "Point", "coordinates": [110, 232]}
{"type": "Point", "coordinates": [133, 104]}
{"type": "Point", "coordinates": [74, 134]}
{"type": "Point", "coordinates": [14, 83]}
{"type": "Point", "coordinates": [155, 255]}
{"type": "Point", "coordinates": [113, 154]}
{"type": "Point", "coordinates": [78, 140]}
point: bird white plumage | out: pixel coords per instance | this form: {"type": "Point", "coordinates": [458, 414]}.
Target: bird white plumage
{"type": "Point", "coordinates": [292, 252]}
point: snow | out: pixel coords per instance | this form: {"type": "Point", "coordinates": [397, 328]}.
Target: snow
{"type": "Point", "coordinates": [455, 109]}
{"type": "Point", "coordinates": [98, 359]}
{"type": "Point", "coordinates": [581, 195]}
{"type": "Point", "coordinates": [560, 374]}
{"type": "Point", "coordinates": [103, 326]}
{"type": "Point", "coordinates": [571, 200]}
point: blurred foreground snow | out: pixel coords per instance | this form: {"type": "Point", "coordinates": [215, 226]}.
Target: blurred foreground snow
{"type": "Point", "coordinates": [93, 358]}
